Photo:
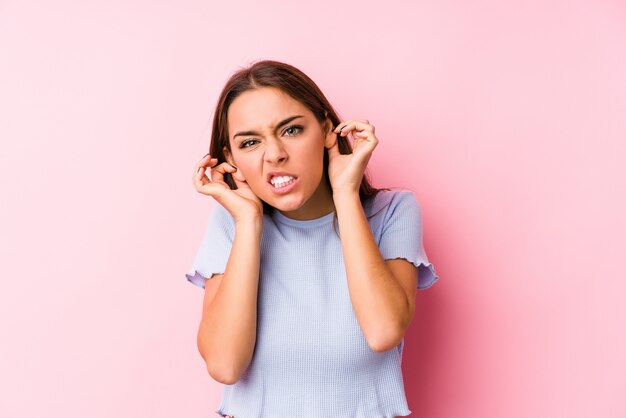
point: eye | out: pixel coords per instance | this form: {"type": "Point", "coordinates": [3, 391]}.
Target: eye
{"type": "Point", "coordinates": [248, 143]}
{"type": "Point", "coordinates": [296, 127]}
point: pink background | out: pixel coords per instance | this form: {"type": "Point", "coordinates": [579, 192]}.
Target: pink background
{"type": "Point", "coordinates": [507, 119]}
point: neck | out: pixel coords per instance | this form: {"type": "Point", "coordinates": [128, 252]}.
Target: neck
{"type": "Point", "coordinates": [319, 204]}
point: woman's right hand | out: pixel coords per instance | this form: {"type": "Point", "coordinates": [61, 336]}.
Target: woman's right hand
{"type": "Point", "coordinates": [242, 203]}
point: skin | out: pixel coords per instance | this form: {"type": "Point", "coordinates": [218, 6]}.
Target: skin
{"type": "Point", "coordinates": [296, 148]}
{"type": "Point", "coordinates": [382, 292]}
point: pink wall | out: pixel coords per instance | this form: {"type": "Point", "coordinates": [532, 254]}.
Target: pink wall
{"type": "Point", "coordinates": [505, 118]}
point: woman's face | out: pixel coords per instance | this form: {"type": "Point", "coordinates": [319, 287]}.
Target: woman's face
{"type": "Point", "coordinates": [278, 146]}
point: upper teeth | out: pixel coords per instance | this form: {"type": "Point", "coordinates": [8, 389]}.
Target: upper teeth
{"type": "Point", "coordinates": [280, 181]}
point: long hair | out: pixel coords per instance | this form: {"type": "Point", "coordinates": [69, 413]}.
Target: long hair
{"type": "Point", "coordinates": [296, 84]}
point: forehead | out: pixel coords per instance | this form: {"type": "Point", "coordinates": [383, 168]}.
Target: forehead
{"type": "Point", "coordinates": [261, 108]}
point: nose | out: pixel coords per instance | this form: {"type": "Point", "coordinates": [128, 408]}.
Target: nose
{"type": "Point", "coordinates": [275, 152]}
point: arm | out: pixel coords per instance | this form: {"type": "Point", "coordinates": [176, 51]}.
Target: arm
{"type": "Point", "coordinates": [382, 293]}
{"type": "Point", "coordinates": [227, 332]}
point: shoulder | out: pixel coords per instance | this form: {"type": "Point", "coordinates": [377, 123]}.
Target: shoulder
{"type": "Point", "coordinates": [221, 218]}
{"type": "Point", "coordinates": [388, 201]}
{"type": "Point", "coordinates": [219, 212]}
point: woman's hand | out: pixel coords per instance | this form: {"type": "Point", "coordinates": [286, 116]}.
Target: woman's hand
{"type": "Point", "coordinates": [346, 171]}
{"type": "Point", "coordinates": [242, 203]}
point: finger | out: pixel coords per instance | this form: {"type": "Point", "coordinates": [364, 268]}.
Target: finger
{"type": "Point", "coordinates": [365, 137]}
{"type": "Point", "coordinates": [362, 132]}
{"type": "Point", "coordinates": [217, 173]}
{"type": "Point", "coordinates": [347, 122]}
{"type": "Point", "coordinates": [354, 126]}
{"type": "Point", "coordinates": [206, 161]}
{"type": "Point", "coordinates": [214, 186]}
{"type": "Point", "coordinates": [364, 146]}
{"type": "Point", "coordinates": [201, 181]}
{"type": "Point", "coordinates": [209, 188]}
{"type": "Point", "coordinates": [203, 163]}
{"type": "Point", "coordinates": [224, 168]}
{"type": "Point", "coordinates": [361, 126]}
{"type": "Point", "coordinates": [200, 177]}
{"type": "Point", "coordinates": [341, 127]}
{"type": "Point", "coordinates": [199, 174]}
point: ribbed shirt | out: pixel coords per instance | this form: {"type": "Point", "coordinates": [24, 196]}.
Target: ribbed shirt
{"type": "Point", "coordinates": [311, 358]}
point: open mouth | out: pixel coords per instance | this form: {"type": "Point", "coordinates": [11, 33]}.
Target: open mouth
{"type": "Point", "coordinates": [282, 181]}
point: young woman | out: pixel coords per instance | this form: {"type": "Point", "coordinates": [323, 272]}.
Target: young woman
{"type": "Point", "coordinates": [309, 272]}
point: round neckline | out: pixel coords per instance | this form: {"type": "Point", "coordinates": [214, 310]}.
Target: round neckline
{"type": "Point", "coordinates": [303, 223]}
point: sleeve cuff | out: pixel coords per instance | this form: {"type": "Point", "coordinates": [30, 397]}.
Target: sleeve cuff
{"type": "Point", "coordinates": [199, 279]}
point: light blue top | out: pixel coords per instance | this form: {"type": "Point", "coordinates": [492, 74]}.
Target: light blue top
{"type": "Point", "coordinates": [311, 358]}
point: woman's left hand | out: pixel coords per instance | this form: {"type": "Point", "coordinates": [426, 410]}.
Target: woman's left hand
{"type": "Point", "coordinates": [346, 170]}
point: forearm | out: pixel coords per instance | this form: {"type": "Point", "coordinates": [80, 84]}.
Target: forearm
{"type": "Point", "coordinates": [379, 302]}
{"type": "Point", "coordinates": [227, 332]}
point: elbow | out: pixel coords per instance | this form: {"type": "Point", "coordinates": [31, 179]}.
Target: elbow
{"type": "Point", "coordinates": [221, 371]}
{"type": "Point", "coordinates": [385, 341]}
{"type": "Point", "coordinates": [223, 375]}
{"type": "Point", "coordinates": [383, 345]}
{"type": "Point", "coordinates": [388, 335]}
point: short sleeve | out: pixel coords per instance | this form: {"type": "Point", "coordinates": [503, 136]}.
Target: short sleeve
{"type": "Point", "coordinates": [215, 247]}
{"type": "Point", "coordinates": [401, 236]}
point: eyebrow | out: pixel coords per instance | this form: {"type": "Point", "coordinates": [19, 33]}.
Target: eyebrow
{"type": "Point", "coordinates": [283, 122]}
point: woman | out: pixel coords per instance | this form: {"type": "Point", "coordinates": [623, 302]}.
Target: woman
{"type": "Point", "coordinates": [311, 271]}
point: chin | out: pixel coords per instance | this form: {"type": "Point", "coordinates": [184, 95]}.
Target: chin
{"type": "Point", "coordinates": [287, 206]}
{"type": "Point", "coordinates": [287, 203]}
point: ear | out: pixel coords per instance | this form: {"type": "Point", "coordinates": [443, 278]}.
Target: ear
{"type": "Point", "coordinates": [331, 137]}
{"type": "Point", "coordinates": [237, 175]}
{"type": "Point", "coordinates": [229, 156]}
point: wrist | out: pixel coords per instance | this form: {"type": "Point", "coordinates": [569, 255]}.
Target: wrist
{"type": "Point", "coordinates": [253, 222]}
{"type": "Point", "coordinates": [343, 197]}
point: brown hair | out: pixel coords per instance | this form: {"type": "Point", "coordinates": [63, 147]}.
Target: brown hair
{"type": "Point", "coordinates": [295, 83]}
